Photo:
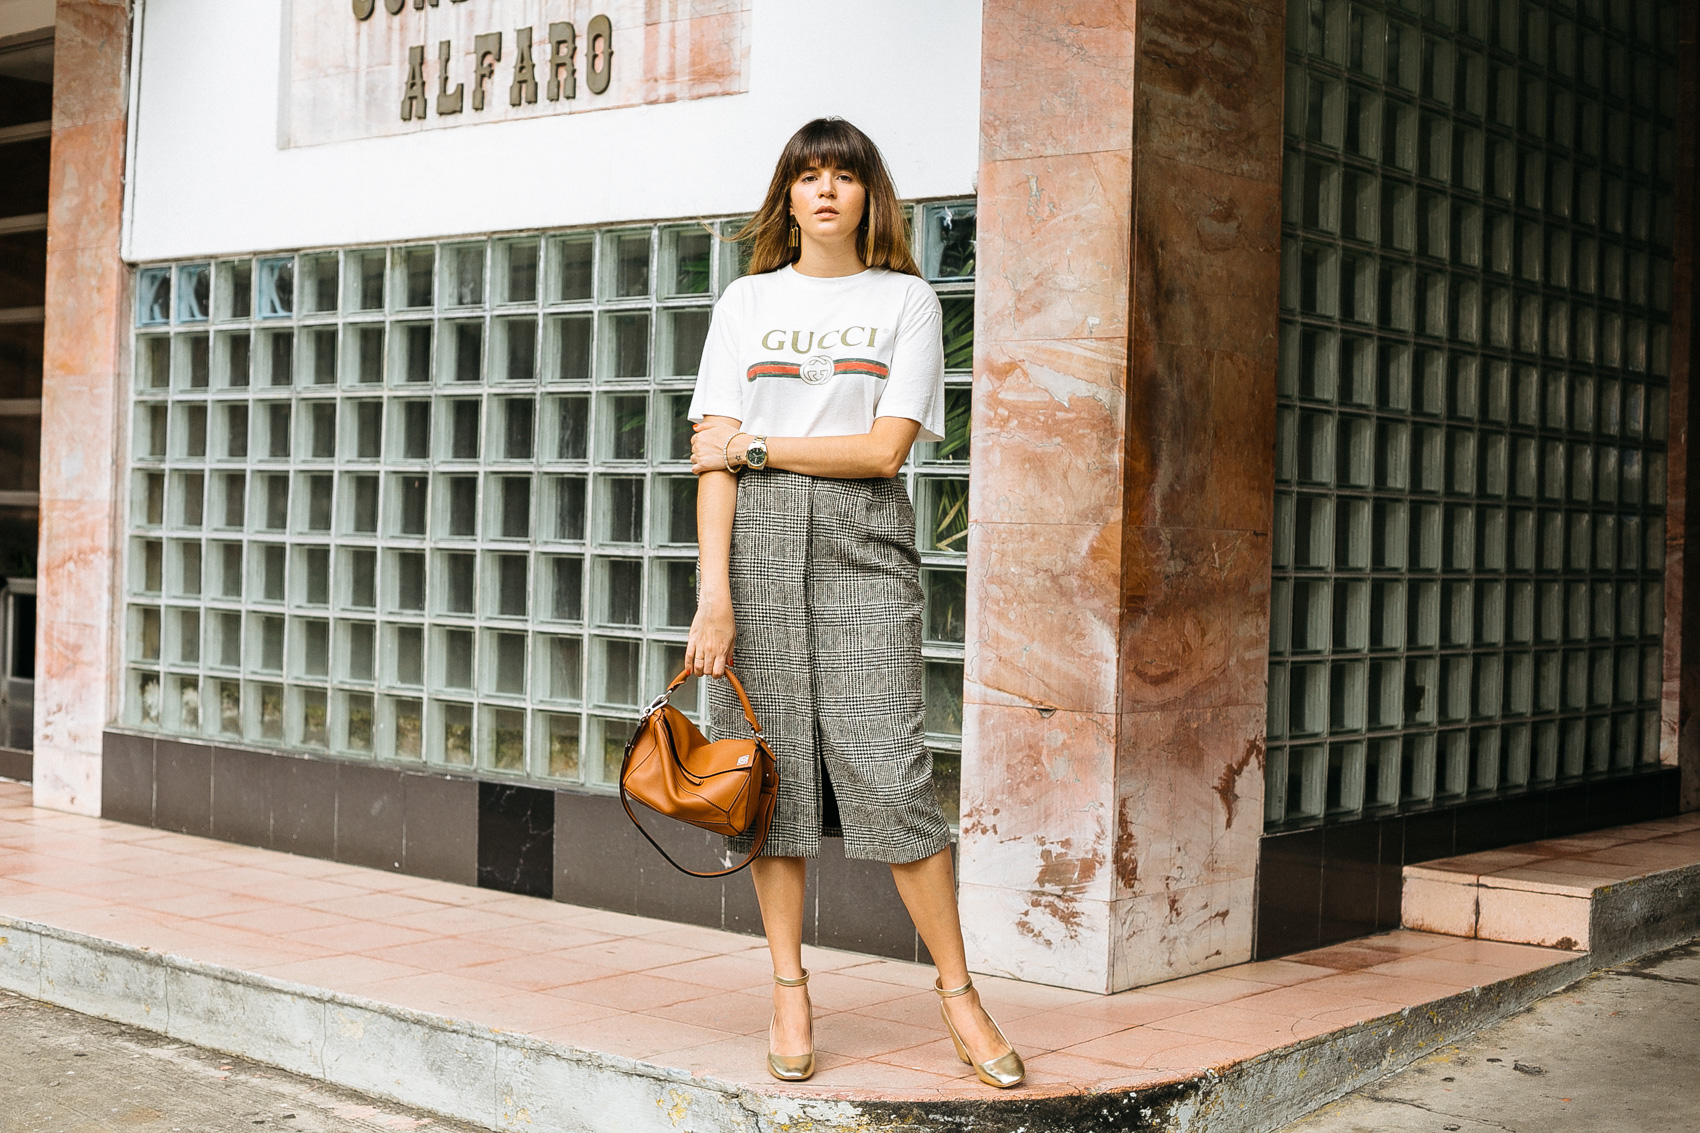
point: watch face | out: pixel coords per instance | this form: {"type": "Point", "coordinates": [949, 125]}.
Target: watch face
{"type": "Point", "coordinates": [756, 455]}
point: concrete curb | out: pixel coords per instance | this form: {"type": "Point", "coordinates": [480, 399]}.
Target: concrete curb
{"type": "Point", "coordinates": [509, 1081]}
{"type": "Point", "coordinates": [1644, 914]}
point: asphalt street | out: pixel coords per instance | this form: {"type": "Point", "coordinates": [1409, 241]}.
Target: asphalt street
{"type": "Point", "coordinates": [61, 1072]}
{"type": "Point", "coordinates": [1618, 1052]}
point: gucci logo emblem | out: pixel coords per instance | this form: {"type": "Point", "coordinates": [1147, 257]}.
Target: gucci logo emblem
{"type": "Point", "coordinates": [817, 370]}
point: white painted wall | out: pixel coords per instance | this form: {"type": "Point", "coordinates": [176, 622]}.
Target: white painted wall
{"type": "Point", "coordinates": [19, 16]}
{"type": "Point", "coordinates": [209, 176]}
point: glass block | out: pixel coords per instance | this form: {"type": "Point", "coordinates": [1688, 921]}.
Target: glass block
{"type": "Point", "coordinates": [502, 739]}
{"type": "Point", "coordinates": [462, 276]}
{"type": "Point", "coordinates": [266, 713]}
{"type": "Point", "coordinates": [676, 596]}
{"type": "Point", "coordinates": [356, 722]}
{"type": "Point", "coordinates": [153, 296]}
{"type": "Point", "coordinates": [234, 290]}
{"type": "Point", "coordinates": [625, 346]}
{"type": "Point", "coordinates": [404, 581]}
{"type": "Point", "coordinates": [410, 353]}
{"type": "Point", "coordinates": [620, 507]}
{"type": "Point", "coordinates": [455, 574]}
{"type": "Point", "coordinates": [403, 724]}
{"type": "Point", "coordinates": [615, 676]}
{"type": "Point", "coordinates": [361, 506]}
{"type": "Point", "coordinates": [458, 430]}
{"type": "Point", "coordinates": [683, 333]}
{"type": "Point", "coordinates": [275, 284]}
{"type": "Point", "coordinates": [686, 257]}
{"type": "Point", "coordinates": [559, 740]}
{"type": "Point", "coordinates": [453, 739]}
{"type": "Point", "coordinates": [363, 354]}
{"type": "Point", "coordinates": [564, 508]}
{"type": "Point", "coordinates": [509, 512]}
{"type": "Point", "coordinates": [618, 592]}
{"type": "Point", "coordinates": [948, 237]}
{"type": "Point", "coordinates": [514, 354]}
{"type": "Point", "coordinates": [571, 276]}
{"type": "Point", "coordinates": [507, 586]}
{"type": "Point", "coordinates": [676, 510]}
{"type": "Point", "coordinates": [311, 575]}
{"type": "Point", "coordinates": [319, 273]}
{"type": "Point", "coordinates": [275, 366]}
{"type": "Point", "coordinates": [461, 351]}
{"type": "Point", "coordinates": [943, 513]}
{"type": "Point", "coordinates": [312, 648]}
{"type": "Point", "coordinates": [358, 576]}
{"type": "Point", "coordinates": [628, 257]}
{"type": "Point", "coordinates": [561, 579]}
{"type": "Point", "coordinates": [607, 748]}
{"type": "Point", "coordinates": [194, 293]}
{"type": "Point", "coordinates": [943, 696]}
{"type": "Point", "coordinates": [363, 272]}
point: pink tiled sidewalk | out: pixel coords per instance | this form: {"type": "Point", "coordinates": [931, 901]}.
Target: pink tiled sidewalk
{"type": "Point", "coordinates": [677, 995]}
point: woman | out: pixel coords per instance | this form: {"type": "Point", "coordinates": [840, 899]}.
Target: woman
{"type": "Point", "coordinates": [822, 367]}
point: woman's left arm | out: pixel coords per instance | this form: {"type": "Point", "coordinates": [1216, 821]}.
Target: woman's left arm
{"type": "Point", "coordinates": [878, 453]}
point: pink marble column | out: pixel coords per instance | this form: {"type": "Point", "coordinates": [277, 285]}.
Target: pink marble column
{"type": "Point", "coordinates": [1123, 487]}
{"type": "Point", "coordinates": [1679, 735]}
{"type": "Point", "coordinates": [78, 636]}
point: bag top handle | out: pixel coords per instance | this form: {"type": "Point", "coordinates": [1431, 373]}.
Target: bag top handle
{"type": "Point", "coordinates": [737, 685]}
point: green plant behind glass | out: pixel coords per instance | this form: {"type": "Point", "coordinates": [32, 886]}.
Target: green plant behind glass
{"type": "Point", "coordinates": [958, 330]}
{"type": "Point", "coordinates": [958, 407]}
{"type": "Point", "coordinates": [950, 515]}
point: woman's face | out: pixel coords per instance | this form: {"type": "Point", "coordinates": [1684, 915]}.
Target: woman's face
{"type": "Point", "coordinates": [828, 204]}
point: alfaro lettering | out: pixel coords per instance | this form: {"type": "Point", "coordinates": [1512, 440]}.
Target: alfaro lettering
{"type": "Point", "coordinates": [559, 47]}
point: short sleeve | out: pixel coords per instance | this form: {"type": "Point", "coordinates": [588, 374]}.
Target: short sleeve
{"type": "Point", "coordinates": [915, 388]}
{"type": "Point", "coordinates": [719, 388]}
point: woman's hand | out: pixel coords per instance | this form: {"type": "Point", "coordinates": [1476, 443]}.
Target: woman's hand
{"type": "Point", "coordinates": [709, 649]}
{"type": "Point", "coordinates": [709, 445]}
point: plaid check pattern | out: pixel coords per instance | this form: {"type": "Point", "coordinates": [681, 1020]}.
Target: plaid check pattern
{"type": "Point", "coordinates": [826, 593]}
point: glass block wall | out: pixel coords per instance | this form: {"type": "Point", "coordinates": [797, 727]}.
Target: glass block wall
{"type": "Point", "coordinates": [1473, 400]}
{"type": "Point", "coordinates": [433, 502]}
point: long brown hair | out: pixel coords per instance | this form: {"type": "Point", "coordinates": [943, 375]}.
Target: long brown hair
{"type": "Point", "coordinates": [882, 240]}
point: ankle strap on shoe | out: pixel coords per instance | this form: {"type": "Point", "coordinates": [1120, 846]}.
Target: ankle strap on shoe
{"type": "Point", "coordinates": [952, 993]}
{"type": "Point", "coordinates": [787, 981]}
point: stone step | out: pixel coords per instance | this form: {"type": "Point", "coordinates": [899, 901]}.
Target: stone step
{"type": "Point", "coordinates": [1613, 893]}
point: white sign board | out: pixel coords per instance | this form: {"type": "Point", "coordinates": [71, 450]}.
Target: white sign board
{"type": "Point", "coordinates": [369, 68]}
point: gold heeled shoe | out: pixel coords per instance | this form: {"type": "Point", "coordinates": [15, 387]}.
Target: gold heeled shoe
{"type": "Point", "coordinates": [792, 1067]}
{"type": "Point", "coordinates": [1005, 1070]}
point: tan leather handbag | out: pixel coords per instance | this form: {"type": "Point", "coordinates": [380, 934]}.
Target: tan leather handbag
{"type": "Point", "coordinates": [727, 786]}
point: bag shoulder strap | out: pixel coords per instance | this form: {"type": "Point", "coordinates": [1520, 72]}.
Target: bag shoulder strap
{"type": "Point", "coordinates": [764, 819]}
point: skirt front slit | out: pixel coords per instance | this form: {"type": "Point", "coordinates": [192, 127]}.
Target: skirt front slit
{"type": "Point", "coordinates": [826, 596]}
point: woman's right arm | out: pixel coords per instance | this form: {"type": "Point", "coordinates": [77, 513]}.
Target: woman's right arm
{"type": "Point", "coordinates": [709, 649]}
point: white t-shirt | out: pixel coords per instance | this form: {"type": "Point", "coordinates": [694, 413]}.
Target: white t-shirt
{"type": "Point", "coordinates": [793, 355]}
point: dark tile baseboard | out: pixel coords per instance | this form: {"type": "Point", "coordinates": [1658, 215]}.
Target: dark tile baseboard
{"type": "Point", "coordinates": [384, 817]}
{"type": "Point", "coordinates": [16, 765]}
{"type": "Point", "coordinates": [601, 860]}
{"type": "Point", "coordinates": [1332, 883]}
{"type": "Point", "coordinates": [571, 846]}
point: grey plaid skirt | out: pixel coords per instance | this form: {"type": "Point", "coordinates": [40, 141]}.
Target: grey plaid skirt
{"type": "Point", "coordinates": [826, 597]}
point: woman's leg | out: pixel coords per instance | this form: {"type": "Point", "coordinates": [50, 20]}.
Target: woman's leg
{"type": "Point", "coordinates": [928, 889]}
{"type": "Point", "coordinates": [779, 889]}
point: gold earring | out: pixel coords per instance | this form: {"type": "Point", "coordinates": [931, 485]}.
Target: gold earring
{"type": "Point", "coordinates": [796, 239]}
